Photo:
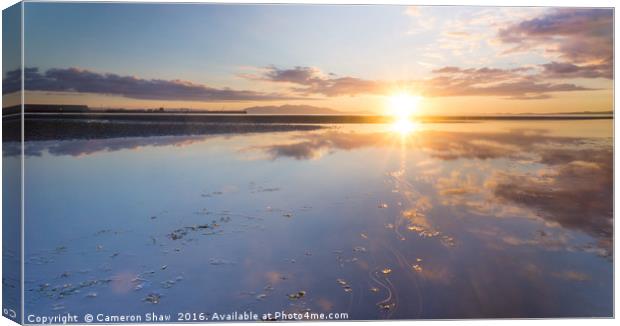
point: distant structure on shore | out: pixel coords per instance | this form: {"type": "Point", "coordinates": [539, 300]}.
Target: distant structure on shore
{"type": "Point", "coordinates": [71, 108]}
{"type": "Point", "coordinates": [255, 110]}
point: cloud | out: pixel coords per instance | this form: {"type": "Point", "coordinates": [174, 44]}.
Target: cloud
{"type": "Point", "coordinates": [413, 11]}
{"type": "Point", "coordinates": [297, 75]}
{"type": "Point", "coordinates": [516, 83]}
{"type": "Point", "coordinates": [581, 38]}
{"type": "Point", "coordinates": [569, 70]}
{"type": "Point", "coordinates": [420, 19]}
{"type": "Point", "coordinates": [310, 80]}
{"type": "Point", "coordinates": [12, 81]}
{"type": "Point", "coordinates": [86, 81]}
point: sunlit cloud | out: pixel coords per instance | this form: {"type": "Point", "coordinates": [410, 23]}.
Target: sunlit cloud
{"type": "Point", "coordinates": [311, 80]}
{"type": "Point", "coordinates": [516, 83]}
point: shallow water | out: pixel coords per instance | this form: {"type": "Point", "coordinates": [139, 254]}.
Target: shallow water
{"type": "Point", "coordinates": [453, 220]}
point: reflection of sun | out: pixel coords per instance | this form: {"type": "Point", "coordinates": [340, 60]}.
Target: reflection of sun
{"type": "Point", "coordinates": [404, 126]}
{"type": "Point", "coordinates": [402, 107]}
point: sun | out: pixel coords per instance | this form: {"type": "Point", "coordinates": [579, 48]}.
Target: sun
{"type": "Point", "coordinates": [403, 105]}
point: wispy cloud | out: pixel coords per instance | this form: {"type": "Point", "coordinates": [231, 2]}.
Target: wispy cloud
{"type": "Point", "coordinates": [516, 83]}
{"type": "Point", "coordinates": [86, 81]}
{"type": "Point", "coordinates": [420, 20]}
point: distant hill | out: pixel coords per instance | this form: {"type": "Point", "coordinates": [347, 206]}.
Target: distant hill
{"type": "Point", "coordinates": [291, 110]}
{"type": "Point", "coordinates": [572, 113]}
{"type": "Point", "coordinates": [588, 112]}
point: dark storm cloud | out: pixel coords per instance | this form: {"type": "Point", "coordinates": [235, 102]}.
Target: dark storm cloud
{"type": "Point", "coordinates": [85, 81]}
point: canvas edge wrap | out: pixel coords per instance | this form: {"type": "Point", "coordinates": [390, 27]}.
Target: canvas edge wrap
{"type": "Point", "coordinates": [12, 166]}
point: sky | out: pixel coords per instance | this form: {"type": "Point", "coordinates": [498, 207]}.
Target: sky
{"type": "Point", "coordinates": [458, 60]}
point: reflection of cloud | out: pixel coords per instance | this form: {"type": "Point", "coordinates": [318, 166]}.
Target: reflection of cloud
{"type": "Point", "coordinates": [11, 148]}
{"type": "Point", "coordinates": [437, 274]}
{"type": "Point", "coordinates": [514, 144]}
{"type": "Point", "coordinates": [571, 275]}
{"type": "Point", "coordinates": [576, 194]}
{"type": "Point", "coordinates": [452, 147]}
{"type": "Point", "coordinates": [301, 151]}
{"type": "Point", "coordinates": [572, 190]}
{"type": "Point", "coordinates": [567, 275]}
{"type": "Point", "coordinates": [517, 144]}
{"type": "Point", "coordinates": [88, 147]}
{"type": "Point", "coordinates": [543, 239]}
{"type": "Point", "coordinates": [78, 137]}
{"type": "Point", "coordinates": [85, 81]}
{"type": "Point", "coordinates": [458, 184]}
{"type": "Point", "coordinates": [314, 146]}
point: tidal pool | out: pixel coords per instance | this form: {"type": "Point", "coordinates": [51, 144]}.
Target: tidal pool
{"type": "Point", "coordinates": [498, 219]}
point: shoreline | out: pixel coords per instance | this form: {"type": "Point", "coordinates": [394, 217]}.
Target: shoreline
{"type": "Point", "coordinates": [263, 118]}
